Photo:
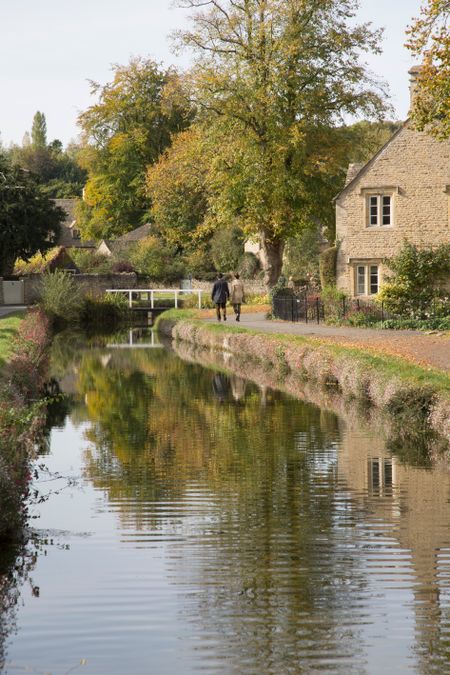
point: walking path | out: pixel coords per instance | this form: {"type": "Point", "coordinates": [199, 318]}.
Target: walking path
{"type": "Point", "coordinates": [429, 350]}
{"type": "Point", "coordinates": [10, 309]}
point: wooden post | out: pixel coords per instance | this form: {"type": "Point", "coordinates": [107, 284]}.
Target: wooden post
{"type": "Point", "coordinates": [176, 299]}
{"type": "Point", "coordinates": [152, 300]}
{"type": "Point", "coordinates": [130, 299]}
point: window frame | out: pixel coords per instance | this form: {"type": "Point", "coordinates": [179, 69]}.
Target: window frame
{"type": "Point", "coordinates": [363, 284]}
{"type": "Point", "coordinates": [375, 206]}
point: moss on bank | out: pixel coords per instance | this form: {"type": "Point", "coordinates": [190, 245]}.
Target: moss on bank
{"type": "Point", "coordinates": [399, 388]}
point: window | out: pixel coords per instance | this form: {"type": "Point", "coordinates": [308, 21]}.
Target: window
{"type": "Point", "coordinates": [380, 477]}
{"type": "Point", "coordinates": [76, 234]}
{"type": "Point", "coordinates": [367, 280]}
{"type": "Point", "coordinates": [379, 210]}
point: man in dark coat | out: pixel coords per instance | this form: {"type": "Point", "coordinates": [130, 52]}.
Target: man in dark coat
{"type": "Point", "coordinates": [220, 294]}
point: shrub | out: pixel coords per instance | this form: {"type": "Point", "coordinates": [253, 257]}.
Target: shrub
{"type": "Point", "coordinates": [302, 257]}
{"type": "Point", "coordinates": [122, 266]}
{"type": "Point", "coordinates": [61, 297]}
{"type": "Point", "coordinates": [416, 280]}
{"type": "Point", "coordinates": [249, 266]}
{"type": "Point", "coordinates": [106, 311]}
{"type": "Point", "coordinates": [156, 259]}
{"type": "Point", "coordinates": [333, 302]}
{"type": "Point", "coordinates": [91, 262]}
{"type": "Point", "coordinates": [227, 248]}
{"type": "Point", "coordinates": [21, 424]}
{"type": "Point", "coordinates": [200, 265]}
{"type": "Point", "coordinates": [327, 266]}
{"type": "Point", "coordinates": [28, 360]}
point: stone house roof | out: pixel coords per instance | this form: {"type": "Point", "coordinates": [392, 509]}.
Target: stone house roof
{"type": "Point", "coordinates": [108, 246]}
{"type": "Point", "coordinates": [135, 235]}
{"type": "Point", "coordinates": [69, 236]}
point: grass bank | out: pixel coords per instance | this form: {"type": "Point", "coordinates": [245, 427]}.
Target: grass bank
{"type": "Point", "coordinates": [408, 394]}
{"type": "Point", "coordinates": [9, 327]}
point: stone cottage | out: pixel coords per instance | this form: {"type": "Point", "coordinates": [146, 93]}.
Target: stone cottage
{"type": "Point", "coordinates": [109, 247]}
{"type": "Point", "coordinates": [402, 193]}
{"type": "Point", "coordinates": [70, 236]}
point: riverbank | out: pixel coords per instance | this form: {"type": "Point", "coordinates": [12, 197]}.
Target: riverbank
{"type": "Point", "coordinates": [22, 412]}
{"type": "Point", "coordinates": [415, 398]}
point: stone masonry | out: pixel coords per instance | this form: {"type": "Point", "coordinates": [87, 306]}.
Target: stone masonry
{"type": "Point", "coordinates": [414, 169]}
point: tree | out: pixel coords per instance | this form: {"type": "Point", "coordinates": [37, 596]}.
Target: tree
{"type": "Point", "coordinates": [56, 169]}
{"type": "Point", "coordinates": [39, 131]}
{"type": "Point", "coordinates": [429, 38]}
{"type": "Point", "coordinates": [177, 186]}
{"type": "Point", "coordinates": [29, 220]}
{"type": "Point", "coordinates": [366, 138]}
{"type": "Point", "coordinates": [275, 79]}
{"type": "Point", "coordinates": [128, 129]}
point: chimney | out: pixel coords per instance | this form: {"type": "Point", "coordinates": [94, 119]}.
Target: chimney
{"type": "Point", "coordinates": [414, 75]}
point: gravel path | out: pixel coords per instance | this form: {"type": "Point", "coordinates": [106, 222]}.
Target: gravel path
{"type": "Point", "coordinates": [430, 350]}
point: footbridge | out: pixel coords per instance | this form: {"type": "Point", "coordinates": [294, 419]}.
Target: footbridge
{"type": "Point", "coordinates": [146, 299]}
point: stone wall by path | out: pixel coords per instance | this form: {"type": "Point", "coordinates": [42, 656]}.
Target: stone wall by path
{"type": "Point", "coordinates": [97, 284]}
{"type": "Point", "coordinates": [304, 362]}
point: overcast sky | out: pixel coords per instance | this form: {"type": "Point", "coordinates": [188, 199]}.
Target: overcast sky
{"type": "Point", "coordinates": [49, 49]}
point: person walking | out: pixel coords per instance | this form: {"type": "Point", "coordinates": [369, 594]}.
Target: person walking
{"type": "Point", "coordinates": [220, 294]}
{"type": "Point", "coordinates": [237, 295]}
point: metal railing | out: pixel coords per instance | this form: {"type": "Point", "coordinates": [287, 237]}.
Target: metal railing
{"type": "Point", "coordinates": [311, 308]}
{"type": "Point", "coordinates": [138, 295]}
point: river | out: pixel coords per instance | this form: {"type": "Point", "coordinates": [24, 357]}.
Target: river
{"type": "Point", "coordinates": [193, 522]}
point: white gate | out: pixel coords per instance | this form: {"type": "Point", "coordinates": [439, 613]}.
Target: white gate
{"type": "Point", "coordinates": [13, 292]}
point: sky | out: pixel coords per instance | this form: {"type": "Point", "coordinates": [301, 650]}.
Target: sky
{"type": "Point", "coordinates": [50, 49]}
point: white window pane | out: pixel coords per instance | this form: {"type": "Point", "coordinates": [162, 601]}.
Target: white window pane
{"type": "Point", "coordinates": [360, 280]}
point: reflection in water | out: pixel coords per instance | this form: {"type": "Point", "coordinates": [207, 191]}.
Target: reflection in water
{"type": "Point", "coordinates": [251, 532]}
{"type": "Point", "coordinates": [16, 562]}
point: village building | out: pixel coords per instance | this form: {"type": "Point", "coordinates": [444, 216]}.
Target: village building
{"type": "Point", "coordinates": [70, 235]}
{"type": "Point", "coordinates": [111, 247]}
{"type": "Point", "coordinates": [401, 194]}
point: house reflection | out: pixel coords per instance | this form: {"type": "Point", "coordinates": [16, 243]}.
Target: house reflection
{"type": "Point", "coordinates": [413, 504]}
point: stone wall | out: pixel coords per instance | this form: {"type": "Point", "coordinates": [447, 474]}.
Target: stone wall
{"type": "Point", "coordinates": [90, 284]}
{"type": "Point", "coordinates": [415, 169]}
{"type": "Point", "coordinates": [97, 284]}
{"type": "Point", "coordinates": [251, 286]}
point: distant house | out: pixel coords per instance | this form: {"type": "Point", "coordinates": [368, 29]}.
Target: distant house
{"type": "Point", "coordinates": [109, 247]}
{"type": "Point", "coordinates": [402, 193]}
{"type": "Point", "coordinates": [70, 236]}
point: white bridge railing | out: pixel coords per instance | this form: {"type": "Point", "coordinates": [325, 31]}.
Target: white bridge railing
{"type": "Point", "coordinates": [149, 294]}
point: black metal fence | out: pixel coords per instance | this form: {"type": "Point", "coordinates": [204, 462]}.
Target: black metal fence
{"type": "Point", "coordinates": [298, 308]}
{"type": "Point", "coordinates": [313, 309]}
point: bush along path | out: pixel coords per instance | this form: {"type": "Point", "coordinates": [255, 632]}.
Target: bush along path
{"type": "Point", "coordinates": [416, 398]}
{"type": "Point", "coordinates": [22, 418]}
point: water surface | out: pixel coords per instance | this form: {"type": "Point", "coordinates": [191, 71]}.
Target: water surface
{"type": "Point", "coordinates": [217, 527]}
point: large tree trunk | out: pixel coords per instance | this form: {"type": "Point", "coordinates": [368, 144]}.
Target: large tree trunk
{"type": "Point", "coordinates": [271, 258]}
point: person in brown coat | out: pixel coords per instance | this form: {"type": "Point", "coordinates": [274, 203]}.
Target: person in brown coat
{"type": "Point", "coordinates": [237, 295]}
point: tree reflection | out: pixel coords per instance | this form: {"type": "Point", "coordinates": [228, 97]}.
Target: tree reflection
{"type": "Point", "coordinates": [256, 473]}
{"type": "Point", "coordinates": [16, 562]}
